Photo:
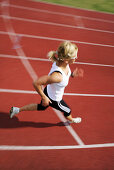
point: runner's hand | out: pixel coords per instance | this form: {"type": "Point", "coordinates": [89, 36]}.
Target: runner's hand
{"type": "Point", "coordinates": [45, 101]}
{"type": "Point", "coordinates": [78, 72]}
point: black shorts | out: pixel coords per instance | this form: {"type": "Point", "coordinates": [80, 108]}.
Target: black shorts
{"type": "Point", "coordinates": [59, 105]}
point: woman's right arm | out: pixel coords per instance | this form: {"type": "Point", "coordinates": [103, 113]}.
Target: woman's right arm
{"type": "Point", "coordinates": [44, 80]}
{"type": "Point", "coordinates": [38, 87]}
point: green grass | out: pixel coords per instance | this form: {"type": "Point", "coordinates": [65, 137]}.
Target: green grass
{"type": "Point", "coordinates": [97, 5]}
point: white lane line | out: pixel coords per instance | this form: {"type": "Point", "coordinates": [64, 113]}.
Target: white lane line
{"type": "Point", "coordinates": [79, 23]}
{"type": "Point", "coordinates": [10, 32]}
{"type": "Point", "coordinates": [24, 58]}
{"type": "Point", "coordinates": [69, 128]}
{"type": "Point", "coordinates": [27, 65]}
{"type": "Point", "coordinates": [66, 94]}
{"type": "Point", "coordinates": [56, 13]}
{"type": "Point", "coordinates": [53, 39]}
{"type": "Point", "coordinates": [93, 64]}
{"type": "Point", "coordinates": [17, 91]}
{"type": "Point", "coordinates": [43, 59]}
{"type": "Point", "coordinates": [88, 95]}
{"type": "Point", "coordinates": [14, 147]}
{"type": "Point", "coordinates": [68, 7]}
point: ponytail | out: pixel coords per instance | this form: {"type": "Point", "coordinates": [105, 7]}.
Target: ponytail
{"type": "Point", "coordinates": [53, 56]}
{"type": "Point", "coordinates": [66, 50]}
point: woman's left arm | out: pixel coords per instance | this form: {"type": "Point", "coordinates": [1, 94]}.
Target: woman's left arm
{"type": "Point", "coordinates": [78, 72]}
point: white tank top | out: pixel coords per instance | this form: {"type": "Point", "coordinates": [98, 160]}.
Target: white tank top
{"type": "Point", "coordinates": [56, 90]}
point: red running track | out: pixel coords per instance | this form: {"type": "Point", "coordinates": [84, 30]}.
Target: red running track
{"type": "Point", "coordinates": [51, 145]}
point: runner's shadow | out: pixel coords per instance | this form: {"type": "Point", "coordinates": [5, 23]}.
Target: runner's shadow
{"type": "Point", "coordinates": [6, 122]}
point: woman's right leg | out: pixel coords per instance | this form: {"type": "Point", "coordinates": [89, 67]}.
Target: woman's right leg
{"type": "Point", "coordinates": [29, 107]}
{"type": "Point", "coordinates": [16, 110]}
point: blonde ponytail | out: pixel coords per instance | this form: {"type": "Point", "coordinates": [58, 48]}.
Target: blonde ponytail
{"type": "Point", "coordinates": [66, 50]}
{"type": "Point", "coordinates": [52, 55]}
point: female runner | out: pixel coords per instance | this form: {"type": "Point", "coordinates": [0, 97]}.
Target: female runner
{"type": "Point", "coordinates": [55, 82]}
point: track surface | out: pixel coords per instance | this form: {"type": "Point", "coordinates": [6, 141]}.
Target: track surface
{"type": "Point", "coordinates": [42, 140]}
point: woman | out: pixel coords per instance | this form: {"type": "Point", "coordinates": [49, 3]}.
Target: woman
{"type": "Point", "coordinates": [55, 82]}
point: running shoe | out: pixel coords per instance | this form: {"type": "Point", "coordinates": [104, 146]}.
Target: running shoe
{"type": "Point", "coordinates": [76, 120]}
{"type": "Point", "coordinates": [14, 111]}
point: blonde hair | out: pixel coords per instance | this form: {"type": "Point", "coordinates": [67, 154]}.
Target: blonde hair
{"type": "Point", "coordinates": [66, 50]}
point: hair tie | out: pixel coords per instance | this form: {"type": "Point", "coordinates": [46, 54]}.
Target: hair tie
{"type": "Point", "coordinates": [56, 55]}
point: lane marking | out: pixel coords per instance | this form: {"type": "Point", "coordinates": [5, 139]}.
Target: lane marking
{"type": "Point", "coordinates": [79, 23]}
{"type": "Point", "coordinates": [27, 65]}
{"type": "Point", "coordinates": [56, 13]}
{"type": "Point", "coordinates": [43, 59]}
{"type": "Point", "coordinates": [24, 58]}
{"type": "Point", "coordinates": [88, 95]}
{"type": "Point", "coordinates": [13, 147]}
{"type": "Point", "coordinates": [53, 39]}
{"type": "Point", "coordinates": [69, 128]}
{"type": "Point", "coordinates": [10, 31]}
{"type": "Point", "coordinates": [66, 94]}
{"type": "Point", "coordinates": [46, 147]}
{"type": "Point", "coordinates": [67, 6]}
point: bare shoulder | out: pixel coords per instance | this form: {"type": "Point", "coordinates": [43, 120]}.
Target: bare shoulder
{"type": "Point", "coordinates": [56, 77]}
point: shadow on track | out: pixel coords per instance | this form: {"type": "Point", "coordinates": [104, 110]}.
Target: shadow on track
{"type": "Point", "coordinates": [6, 122]}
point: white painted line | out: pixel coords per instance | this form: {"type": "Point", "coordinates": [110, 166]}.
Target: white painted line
{"type": "Point", "coordinates": [43, 59]}
{"type": "Point", "coordinates": [66, 94]}
{"type": "Point", "coordinates": [24, 58]}
{"type": "Point", "coordinates": [53, 39]}
{"type": "Point", "coordinates": [26, 63]}
{"type": "Point", "coordinates": [10, 32]}
{"type": "Point", "coordinates": [93, 64]}
{"type": "Point", "coordinates": [67, 6]}
{"type": "Point", "coordinates": [69, 128]}
{"type": "Point", "coordinates": [79, 23]}
{"type": "Point", "coordinates": [88, 95]}
{"type": "Point", "coordinates": [14, 147]}
{"type": "Point", "coordinates": [56, 13]}
{"type": "Point", "coordinates": [17, 91]}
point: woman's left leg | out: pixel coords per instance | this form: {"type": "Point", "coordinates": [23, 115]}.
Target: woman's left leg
{"type": "Point", "coordinates": [63, 107]}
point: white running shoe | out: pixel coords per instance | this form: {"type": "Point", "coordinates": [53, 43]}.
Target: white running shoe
{"type": "Point", "coordinates": [14, 111]}
{"type": "Point", "coordinates": [76, 120]}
